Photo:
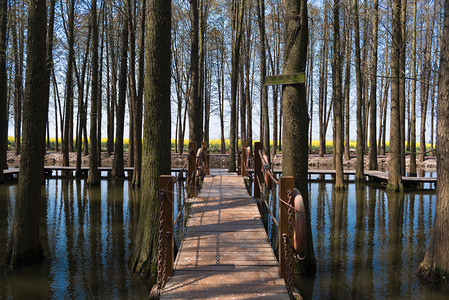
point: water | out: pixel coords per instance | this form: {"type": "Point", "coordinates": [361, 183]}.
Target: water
{"type": "Point", "coordinates": [87, 235]}
{"type": "Point", "coordinates": [368, 243]}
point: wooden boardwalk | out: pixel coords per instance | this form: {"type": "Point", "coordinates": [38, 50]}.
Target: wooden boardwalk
{"type": "Point", "coordinates": [225, 252]}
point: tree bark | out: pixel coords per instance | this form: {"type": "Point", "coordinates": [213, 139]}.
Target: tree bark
{"type": "Point", "coordinates": [3, 88]}
{"type": "Point", "coordinates": [413, 100]}
{"type": "Point", "coordinates": [69, 83]}
{"type": "Point", "coordinates": [137, 174]}
{"type": "Point", "coordinates": [18, 42]}
{"type": "Point", "coordinates": [373, 93]}
{"type": "Point", "coordinates": [402, 84]}
{"type": "Point", "coordinates": [156, 147]}
{"type": "Point", "coordinates": [435, 266]}
{"type": "Point", "coordinates": [348, 83]}
{"type": "Point", "coordinates": [359, 173]}
{"type": "Point", "coordinates": [394, 170]}
{"type": "Point", "coordinates": [338, 100]}
{"type": "Point", "coordinates": [94, 176]}
{"type": "Point", "coordinates": [295, 118]}
{"type": "Point", "coordinates": [235, 58]}
{"type": "Point", "coordinates": [265, 135]}
{"type": "Point", "coordinates": [25, 247]}
{"type": "Point", "coordinates": [195, 120]}
{"type": "Point", "coordinates": [118, 164]}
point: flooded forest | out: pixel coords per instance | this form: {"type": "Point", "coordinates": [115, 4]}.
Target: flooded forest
{"type": "Point", "coordinates": [100, 100]}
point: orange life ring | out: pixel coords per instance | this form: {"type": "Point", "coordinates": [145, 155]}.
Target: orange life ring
{"type": "Point", "coordinates": [268, 181]}
{"type": "Point", "coordinates": [299, 232]}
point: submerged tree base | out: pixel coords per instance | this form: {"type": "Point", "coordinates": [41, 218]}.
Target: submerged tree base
{"type": "Point", "coordinates": [433, 275]}
{"type": "Point", "coordinates": [25, 258]}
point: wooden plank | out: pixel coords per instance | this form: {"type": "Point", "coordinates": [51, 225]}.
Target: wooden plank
{"type": "Point", "coordinates": [225, 252]}
{"type": "Point", "coordinates": [285, 79]}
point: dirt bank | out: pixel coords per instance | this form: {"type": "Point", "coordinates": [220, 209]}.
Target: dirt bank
{"type": "Point", "coordinates": [220, 161]}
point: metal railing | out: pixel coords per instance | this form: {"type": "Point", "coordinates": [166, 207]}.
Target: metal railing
{"type": "Point", "coordinates": [291, 224]}
{"type": "Point", "coordinates": [197, 166]}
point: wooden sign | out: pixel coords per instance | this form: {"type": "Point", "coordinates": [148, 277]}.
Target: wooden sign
{"type": "Point", "coordinates": [285, 79]}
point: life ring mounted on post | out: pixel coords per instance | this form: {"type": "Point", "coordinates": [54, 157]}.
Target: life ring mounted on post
{"type": "Point", "coordinates": [300, 229]}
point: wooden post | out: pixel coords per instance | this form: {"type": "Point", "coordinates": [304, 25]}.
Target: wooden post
{"type": "Point", "coordinates": [166, 183]}
{"type": "Point", "coordinates": [244, 160]}
{"type": "Point", "coordinates": [191, 170]}
{"type": "Point", "coordinates": [206, 155]}
{"type": "Point", "coordinates": [257, 169]}
{"type": "Point", "coordinates": [286, 184]}
{"type": "Point", "coordinates": [239, 163]}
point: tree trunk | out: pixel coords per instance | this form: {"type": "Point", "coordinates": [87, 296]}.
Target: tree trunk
{"type": "Point", "coordinates": [394, 170]}
{"type": "Point", "coordinates": [296, 121]}
{"type": "Point", "coordinates": [359, 175]}
{"type": "Point", "coordinates": [373, 94]}
{"type": "Point", "coordinates": [402, 85]}
{"type": "Point", "coordinates": [235, 58]}
{"type": "Point", "coordinates": [3, 88]}
{"type": "Point", "coordinates": [195, 127]}
{"type": "Point", "coordinates": [118, 164]}
{"type": "Point", "coordinates": [24, 246]}
{"type": "Point", "coordinates": [139, 105]}
{"type": "Point", "coordinates": [17, 42]}
{"type": "Point", "coordinates": [112, 83]}
{"type": "Point", "coordinates": [265, 134]}
{"type": "Point", "coordinates": [69, 83]}
{"type": "Point", "coordinates": [51, 22]}
{"type": "Point", "coordinates": [323, 87]}
{"type": "Point", "coordinates": [94, 176]}
{"type": "Point", "coordinates": [413, 100]}
{"type": "Point", "coordinates": [156, 147]}
{"type": "Point", "coordinates": [348, 84]}
{"type": "Point", "coordinates": [435, 266]}
{"type": "Point", "coordinates": [249, 106]}
{"type": "Point", "coordinates": [338, 100]}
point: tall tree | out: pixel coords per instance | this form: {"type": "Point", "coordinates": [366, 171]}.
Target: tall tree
{"type": "Point", "coordinates": [156, 147]}
{"type": "Point", "coordinates": [359, 174]}
{"type": "Point", "coordinates": [137, 174]}
{"type": "Point", "coordinates": [402, 84]}
{"type": "Point", "coordinates": [25, 247]}
{"type": "Point", "coordinates": [338, 99]}
{"type": "Point", "coordinates": [94, 176]}
{"type": "Point", "coordinates": [394, 170]}
{"type": "Point", "coordinates": [413, 100]}
{"type": "Point", "coordinates": [118, 164]}
{"type": "Point", "coordinates": [348, 51]}
{"type": "Point", "coordinates": [195, 120]}
{"type": "Point", "coordinates": [3, 88]}
{"type": "Point", "coordinates": [373, 93]}
{"type": "Point", "coordinates": [295, 118]}
{"type": "Point", "coordinates": [18, 40]}
{"type": "Point", "coordinates": [69, 82]}
{"type": "Point", "coordinates": [435, 266]}
{"type": "Point", "coordinates": [238, 9]}
{"type": "Point", "coordinates": [265, 135]}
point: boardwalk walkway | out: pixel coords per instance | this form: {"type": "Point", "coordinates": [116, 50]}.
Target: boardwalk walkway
{"type": "Point", "coordinates": [225, 253]}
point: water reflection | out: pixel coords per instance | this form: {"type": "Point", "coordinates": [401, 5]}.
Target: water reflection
{"type": "Point", "coordinates": [87, 234]}
{"type": "Point", "coordinates": [368, 243]}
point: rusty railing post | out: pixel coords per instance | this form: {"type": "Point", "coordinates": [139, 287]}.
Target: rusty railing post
{"type": "Point", "coordinates": [166, 183]}
{"type": "Point", "coordinates": [257, 169]}
{"type": "Point", "coordinates": [286, 185]}
{"type": "Point", "coordinates": [206, 163]}
{"type": "Point", "coordinates": [192, 170]}
{"type": "Point", "coordinates": [239, 163]}
{"type": "Point", "coordinates": [244, 160]}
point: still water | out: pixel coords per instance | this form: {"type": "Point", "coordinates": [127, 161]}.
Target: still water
{"type": "Point", "coordinates": [368, 243]}
{"type": "Point", "coordinates": [87, 236]}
